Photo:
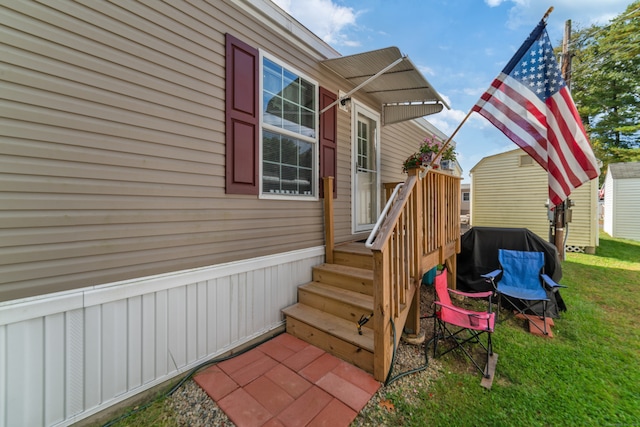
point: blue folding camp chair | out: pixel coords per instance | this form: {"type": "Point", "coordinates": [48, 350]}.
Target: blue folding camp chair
{"type": "Point", "coordinates": [521, 280]}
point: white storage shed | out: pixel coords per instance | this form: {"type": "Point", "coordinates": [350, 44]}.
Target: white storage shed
{"type": "Point", "coordinates": [622, 200]}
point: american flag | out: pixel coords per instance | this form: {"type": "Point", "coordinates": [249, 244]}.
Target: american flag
{"type": "Point", "coordinates": [530, 103]}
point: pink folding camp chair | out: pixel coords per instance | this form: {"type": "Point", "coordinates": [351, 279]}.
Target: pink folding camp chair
{"type": "Point", "coordinates": [462, 327]}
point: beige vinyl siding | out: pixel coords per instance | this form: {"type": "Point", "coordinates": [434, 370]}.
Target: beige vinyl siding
{"type": "Point", "coordinates": [583, 228]}
{"type": "Point", "coordinates": [112, 147]}
{"type": "Point", "coordinates": [509, 192]}
{"type": "Point", "coordinates": [499, 199]}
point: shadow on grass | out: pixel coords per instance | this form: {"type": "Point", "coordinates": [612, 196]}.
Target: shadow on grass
{"type": "Point", "coordinates": [620, 249]}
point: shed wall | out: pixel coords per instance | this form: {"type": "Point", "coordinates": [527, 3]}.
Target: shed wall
{"type": "Point", "coordinates": [628, 206]}
{"type": "Point", "coordinates": [510, 190]}
{"type": "Point", "coordinates": [625, 208]}
{"type": "Point", "coordinates": [609, 201]}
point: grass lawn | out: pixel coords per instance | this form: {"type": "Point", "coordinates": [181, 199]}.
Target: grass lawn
{"type": "Point", "coordinates": [587, 375]}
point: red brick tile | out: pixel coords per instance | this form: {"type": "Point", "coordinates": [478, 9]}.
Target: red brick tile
{"type": "Point", "coordinates": [215, 383]}
{"type": "Point", "coordinates": [335, 414]}
{"type": "Point", "coordinates": [290, 382]}
{"type": "Point", "coordinates": [253, 370]}
{"type": "Point", "coordinates": [536, 326]}
{"type": "Point", "coordinates": [303, 410]}
{"type": "Point", "coordinates": [244, 410]}
{"type": "Point", "coordinates": [240, 361]}
{"type": "Point", "coordinates": [353, 396]}
{"type": "Point", "coordinates": [319, 367]}
{"type": "Point", "coordinates": [269, 395]}
{"type": "Point", "coordinates": [357, 377]}
{"type": "Point", "coordinates": [291, 342]}
{"type": "Point", "coordinates": [274, 422]}
{"type": "Point", "coordinates": [302, 358]}
{"type": "Point", "coordinates": [276, 350]}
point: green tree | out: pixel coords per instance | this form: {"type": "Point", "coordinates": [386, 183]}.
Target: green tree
{"type": "Point", "coordinates": [605, 84]}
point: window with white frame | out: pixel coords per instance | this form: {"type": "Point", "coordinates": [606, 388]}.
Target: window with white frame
{"type": "Point", "coordinates": [289, 132]}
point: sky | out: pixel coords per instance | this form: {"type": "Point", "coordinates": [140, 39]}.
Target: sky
{"type": "Point", "coordinates": [460, 46]}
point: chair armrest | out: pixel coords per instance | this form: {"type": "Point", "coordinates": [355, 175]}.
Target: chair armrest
{"type": "Point", "coordinates": [479, 314]}
{"type": "Point", "coordinates": [550, 282]}
{"type": "Point", "coordinates": [472, 294]}
{"type": "Point", "coordinates": [491, 275]}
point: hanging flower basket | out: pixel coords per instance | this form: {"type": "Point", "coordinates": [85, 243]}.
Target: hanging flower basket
{"type": "Point", "coordinates": [426, 154]}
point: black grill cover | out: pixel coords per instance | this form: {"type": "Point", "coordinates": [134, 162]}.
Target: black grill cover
{"type": "Point", "coordinates": [479, 255]}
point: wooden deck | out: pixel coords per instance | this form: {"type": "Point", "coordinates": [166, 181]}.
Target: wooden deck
{"type": "Point", "coordinates": [361, 294]}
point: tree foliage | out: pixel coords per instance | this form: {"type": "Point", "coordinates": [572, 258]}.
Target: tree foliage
{"type": "Point", "coordinates": [605, 85]}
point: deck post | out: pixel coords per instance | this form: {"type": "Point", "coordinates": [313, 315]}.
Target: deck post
{"type": "Point", "coordinates": [412, 324]}
{"type": "Point", "coordinates": [383, 335]}
{"type": "Point", "coordinates": [442, 215]}
{"type": "Point", "coordinates": [328, 219]}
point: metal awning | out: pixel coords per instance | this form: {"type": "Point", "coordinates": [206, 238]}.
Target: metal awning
{"type": "Point", "coordinates": [392, 79]}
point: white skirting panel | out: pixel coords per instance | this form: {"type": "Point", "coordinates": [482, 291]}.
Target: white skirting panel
{"type": "Point", "coordinates": [64, 357]}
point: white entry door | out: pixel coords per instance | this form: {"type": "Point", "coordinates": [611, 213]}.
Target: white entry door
{"type": "Point", "coordinates": [366, 180]}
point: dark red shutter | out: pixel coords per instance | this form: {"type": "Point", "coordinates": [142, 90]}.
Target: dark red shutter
{"type": "Point", "coordinates": [242, 117]}
{"type": "Point", "coordinates": [328, 139]}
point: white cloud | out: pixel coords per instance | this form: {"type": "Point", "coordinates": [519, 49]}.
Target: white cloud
{"type": "Point", "coordinates": [474, 91]}
{"type": "Point", "coordinates": [584, 12]}
{"type": "Point", "coordinates": [324, 18]}
{"type": "Point", "coordinates": [428, 71]}
{"type": "Point", "coordinates": [447, 120]}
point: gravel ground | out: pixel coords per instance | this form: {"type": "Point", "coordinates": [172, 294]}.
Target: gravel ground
{"type": "Point", "coordinates": [193, 407]}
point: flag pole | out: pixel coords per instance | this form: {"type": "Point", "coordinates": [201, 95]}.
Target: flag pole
{"type": "Point", "coordinates": [444, 146]}
{"type": "Point", "coordinates": [560, 211]}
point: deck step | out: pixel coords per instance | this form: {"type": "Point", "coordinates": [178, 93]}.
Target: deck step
{"type": "Point", "coordinates": [353, 255]}
{"type": "Point", "coordinates": [351, 278]}
{"type": "Point", "coordinates": [333, 334]}
{"type": "Point", "coordinates": [343, 303]}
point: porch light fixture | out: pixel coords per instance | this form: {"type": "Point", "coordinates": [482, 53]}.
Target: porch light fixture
{"type": "Point", "coordinates": [344, 101]}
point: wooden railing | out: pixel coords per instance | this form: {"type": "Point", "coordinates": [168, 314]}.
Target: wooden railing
{"type": "Point", "coordinates": [421, 231]}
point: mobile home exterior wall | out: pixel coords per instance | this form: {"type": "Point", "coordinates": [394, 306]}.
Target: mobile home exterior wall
{"type": "Point", "coordinates": [124, 262]}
